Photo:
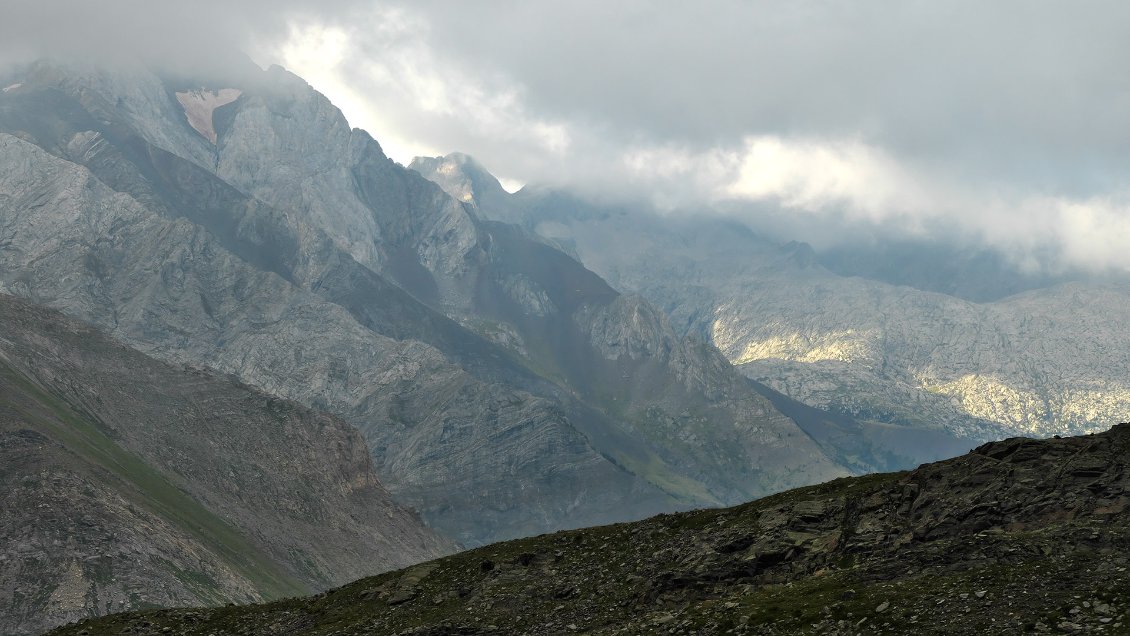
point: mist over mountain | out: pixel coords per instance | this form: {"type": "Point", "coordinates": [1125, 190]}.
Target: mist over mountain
{"type": "Point", "coordinates": [956, 125]}
{"type": "Point", "coordinates": [900, 334]}
{"type": "Point", "coordinates": [978, 275]}
{"type": "Point", "coordinates": [807, 122]}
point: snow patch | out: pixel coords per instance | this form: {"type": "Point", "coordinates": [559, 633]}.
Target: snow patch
{"type": "Point", "coordinates": [12, 87]}
{"type": "Point", "coordinates": [200, 104]}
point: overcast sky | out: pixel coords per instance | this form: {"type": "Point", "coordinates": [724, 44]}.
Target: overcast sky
{"type": "Point", "coordinates": [1004, 123]}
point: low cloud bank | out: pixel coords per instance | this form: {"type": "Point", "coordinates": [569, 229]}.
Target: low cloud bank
{"type": "Point", "coordinates": [997, 124]}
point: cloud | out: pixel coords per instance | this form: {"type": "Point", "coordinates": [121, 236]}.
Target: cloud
{"type": "Point", "coordinates": [833, 192]}
{"type": "Point", "coordinates": [811, 176]}
{"type": "Point", "coordinates": [1003, 124]}
{"type": "Point", "coordinates": [848, 188]}
{"type": "Point", "coordinates": [389, 79]}
{"type": "Point", "coordinates": [202, 34]}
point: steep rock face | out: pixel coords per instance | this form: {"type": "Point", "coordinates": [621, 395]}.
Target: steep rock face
{"type": "Point", "coordinates": [503, 283]}
{"type": "Point", "coordinates": [706, 432]}
{"type": "Point", "coordinates": [205, 305]}
{"type": "Point", "coordinates": [121, 213]}
{"type": "Point", "coordinates": [288, 146]}
{"type": "Point", "coordinates": [1017, 536]}
{"type": "Point", "coordinates": [874, 351]}
{"type": "Point", "coordinates": [682, 396]}
{"type": "Point", "coordinates": [129, 483]}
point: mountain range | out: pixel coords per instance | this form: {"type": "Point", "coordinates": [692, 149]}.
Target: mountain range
{"type": "Point", "coordinates": [236, 224]}
{"type": "Point", "coordinates": [294, 255]}
{"type": "Point", "coordinates": [246, 355]}
{"type": "Point", "coordinates": [1004, 352]}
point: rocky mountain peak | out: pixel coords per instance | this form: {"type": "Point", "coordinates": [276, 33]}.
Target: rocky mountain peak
{"type": "Point", "coordinates": [462, 177]}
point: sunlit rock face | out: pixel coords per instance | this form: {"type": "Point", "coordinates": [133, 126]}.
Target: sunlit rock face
{"type": "Point", "coordinates": [1050, 360]}
{"type": "Point", "coordinates": [1041, 363]}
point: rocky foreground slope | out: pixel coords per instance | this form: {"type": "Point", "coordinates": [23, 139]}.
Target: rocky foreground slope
{"type": "Point", "coordinates": [127, 483]}
{"type": "Point", "coordinates": [1016, 536]}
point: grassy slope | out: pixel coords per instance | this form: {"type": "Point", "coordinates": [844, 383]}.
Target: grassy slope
{"type": "Point", "coordinates": [82, 436]}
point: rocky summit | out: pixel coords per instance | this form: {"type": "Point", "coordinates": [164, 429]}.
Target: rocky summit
{"type": "Point", "coordinates": [1017, 536]}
